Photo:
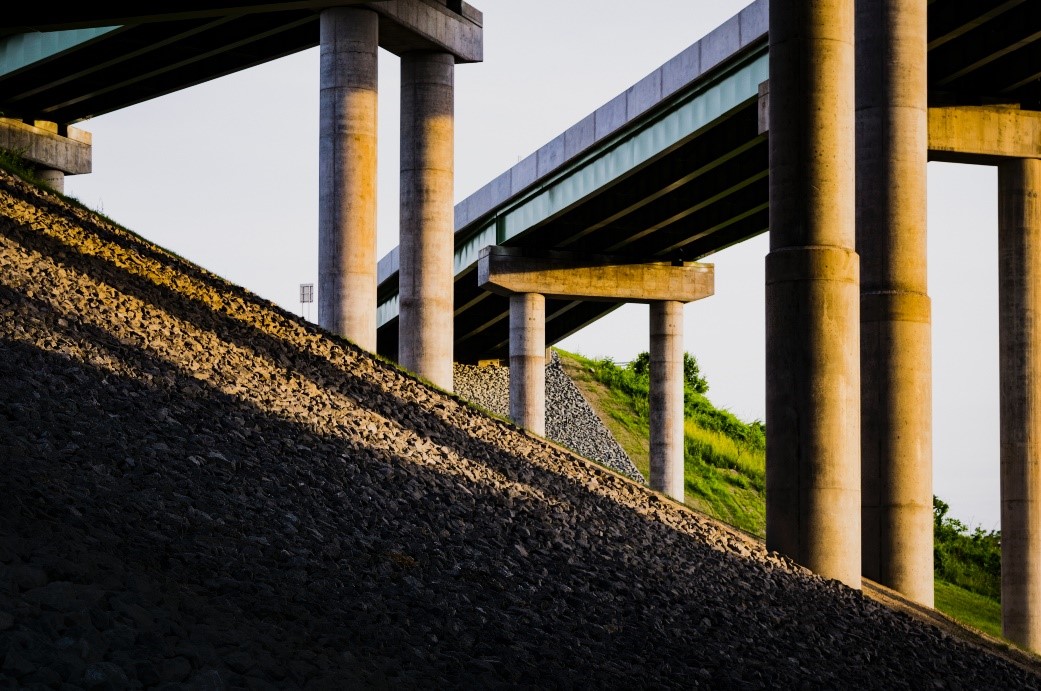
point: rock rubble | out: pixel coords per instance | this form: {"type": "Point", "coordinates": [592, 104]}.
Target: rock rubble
{"type": "Point", "coordinates": [570, 421]}
{"type": "Point", "coordinates": [200, 490]}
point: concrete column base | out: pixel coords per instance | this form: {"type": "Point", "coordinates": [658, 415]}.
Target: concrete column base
{"type": "Point", "coordinates": [1019, 312]}
{"type": "Point", "coordinates": [528, 361]}
{"type": "Point", "coordinates": [666, 398]}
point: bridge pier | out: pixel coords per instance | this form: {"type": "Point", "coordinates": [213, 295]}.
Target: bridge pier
{"type": "Point", "coordinates": [812, 292]}
{"type": "Point", "coordinates": [1019, 293]}
{"type": "Point", "coordinates": [530, 277]}
{"type": "Point", "coordinates": [666, 398]}
{"type": "Point", "coordinates": [895, 321]}
{"type": "Point", "coordinates": [528, 361]}
{"type": "Point", "coordinates": [347, 147]}
{"type": "Point", "coordinates": [425, 325]}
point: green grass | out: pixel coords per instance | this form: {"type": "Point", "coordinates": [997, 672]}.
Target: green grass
{"type": "Point", "coordinates": [724, 460]}
{"type": "Point", "coordinates": [978, 611]}
{"type": "Point", "coordinates": [725, 475]}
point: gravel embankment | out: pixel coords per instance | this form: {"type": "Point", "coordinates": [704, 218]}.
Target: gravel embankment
{"type": "Point", "coordinates": [201, 491]}
{"type": "Point", "coordinates": [570, 421]}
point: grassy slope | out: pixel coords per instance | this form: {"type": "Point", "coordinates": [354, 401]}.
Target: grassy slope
{"type": "Point", "coordinates": [734, 494]}
{"type": "Point", "coordinates": [723, 478]}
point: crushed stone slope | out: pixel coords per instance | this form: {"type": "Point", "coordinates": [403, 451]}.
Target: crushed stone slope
{"type": "Point", "coordinates": [199, 490]}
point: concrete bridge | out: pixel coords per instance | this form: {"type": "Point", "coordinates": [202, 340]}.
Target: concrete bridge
{"type": "Point", "coordinates": [779, 120]}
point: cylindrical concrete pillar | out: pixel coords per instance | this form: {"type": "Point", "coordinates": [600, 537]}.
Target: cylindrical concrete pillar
{"type": "Point", "coordinates": [347, 174]}
{"type": "Point", "coordinates": [528, 361]}
{"type": "Point", "coordinates": [1019, 318]}
{"type": "Point", "coordinates": [427, 216]}
{"type": "Point", "coordinates": [666, 399]}
{"type": "Point", "coordinates": [55, 179]}
{"type": "Point", "coordinates": [812, 293]}
{"type": "Point", "coordinates": [895, 335]}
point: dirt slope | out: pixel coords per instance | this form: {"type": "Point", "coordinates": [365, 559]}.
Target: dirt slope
{"type": "Point", "coordinates": [197, 490]}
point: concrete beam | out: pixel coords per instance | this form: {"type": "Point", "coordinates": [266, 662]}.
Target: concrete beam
{"type": "Point", "coordinates": [408, 26]}
{"type": "Point", "coordinates": [43, 146]}
{"type": "Point", "coordinates": [607, 278]}
{"type": "Point", "coordinates": [984, 135]}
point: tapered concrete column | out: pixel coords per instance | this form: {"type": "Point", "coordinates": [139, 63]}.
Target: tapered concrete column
{"type": "Point", "coordinates": [347, 174]}
{"type": "Point", "coordinates": [528, 361]}
{"type": "Point", "coordinates": [55, 179]}
{"type": "Point", "coordinates": [895, 336]}
{"type": "Point", "coordinates": [666, 399]}
{"type": "Point", "coordinates": [1019, 315]}
{"type": "Point", "coordinates": [812, 293]}
{"type": "Point", "coordinates": [427, 215]}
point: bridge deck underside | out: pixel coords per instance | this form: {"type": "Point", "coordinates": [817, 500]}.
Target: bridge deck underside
{"type": "Point", "coordinates": [705, 194]}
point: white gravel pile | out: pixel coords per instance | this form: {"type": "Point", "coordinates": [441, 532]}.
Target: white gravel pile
{"type": "Point", "coordinates": [570, 421]}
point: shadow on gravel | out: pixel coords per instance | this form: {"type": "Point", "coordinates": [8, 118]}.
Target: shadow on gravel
{"type": "Point", "coordinates": [269, 541]}
{"type": "Point", "coordinates": [253, 546]}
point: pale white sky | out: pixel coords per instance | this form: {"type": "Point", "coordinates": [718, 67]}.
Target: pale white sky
{"type": "Point", "coordinates": [225, 174]}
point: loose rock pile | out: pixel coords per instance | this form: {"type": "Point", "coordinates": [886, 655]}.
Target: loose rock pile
{"type": "Point", "coordinates": [570, 420]}
{"type": "Point", "coordinates": [199, 490]}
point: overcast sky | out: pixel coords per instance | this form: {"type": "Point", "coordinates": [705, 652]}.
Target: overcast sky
{"type": "Point", "coordinates": [225, 174]}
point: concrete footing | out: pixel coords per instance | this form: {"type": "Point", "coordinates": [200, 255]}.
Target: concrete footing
{"type": "Point", "coordinates": [425, 325]}
{"type": "Point", "coordinates": [812, 293]}
{"type": "Point", "coordinates": [528, 361]}
{"type": "Point", "coordinates": [55, 179]}
{"type": "Point", "coordinates": [1019, 314]}
{"type": "Point", "coordinates": [895, 340]}
{"type": "Point", "coordinates": [666, 398]}
{"type": "Point", "coordinates": [347, 174]}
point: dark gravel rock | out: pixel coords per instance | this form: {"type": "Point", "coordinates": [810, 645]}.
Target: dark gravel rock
{"type": "Point", "coordinates": [219, 495]}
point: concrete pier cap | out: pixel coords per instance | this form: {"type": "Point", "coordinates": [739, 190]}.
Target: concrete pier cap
{"type": "Point", "coordinates": [53, 150]}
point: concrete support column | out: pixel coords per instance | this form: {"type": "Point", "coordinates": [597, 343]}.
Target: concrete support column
{"type": "Point", "coordinates": [347, 174]}
{"type": "Point", "coordinates": [427, 216]}
{"type": "Point", "coordinates": [55, 179]}
{"type": "Point", "coordinates": [812, 293]}
{"type": "Point", "coordinates": [1019, 314]}
{"type": "Point", "coordinates": [895, 336]}
{"type": "Point", "coordinates": [666, 399]}
{"type": "Point", "coordinates": [528, 361]}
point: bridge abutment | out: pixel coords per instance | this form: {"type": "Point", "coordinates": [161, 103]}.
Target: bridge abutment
{"type": "Point", "coordinates": [812, 292]}
{"type": "Point", "coordinates": [895, 317]}
{"type": "Point", "coordinates": [425, 325]}
{"type": "Point", "coordinates": [1019, 314]}
{"type": "Point", "coordinates": [347, 174]}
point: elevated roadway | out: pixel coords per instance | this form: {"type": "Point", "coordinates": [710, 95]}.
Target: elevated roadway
{"type": "Point", "coordinates": [675, 167]}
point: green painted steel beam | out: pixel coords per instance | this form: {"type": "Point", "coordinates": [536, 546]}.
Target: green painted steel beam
{"type": "Point", "coordinates": [21, 50]}
{"type": "Point", "coordinates": [686, 114]}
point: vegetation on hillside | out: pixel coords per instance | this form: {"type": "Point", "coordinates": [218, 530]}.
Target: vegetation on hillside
{"type": "Point", "coordinates": [725, 473]}
{"type": "Point", "coordinates": [969, 559]}
{"type": "Point", "coordinates": [724, 468]}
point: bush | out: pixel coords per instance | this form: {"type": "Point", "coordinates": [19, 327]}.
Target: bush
{"type": "Point", "coordinates": [970, 559]}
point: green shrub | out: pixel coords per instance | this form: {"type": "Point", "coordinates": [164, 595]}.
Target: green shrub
{"type": "Point", "coordinates": [969, 559]}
